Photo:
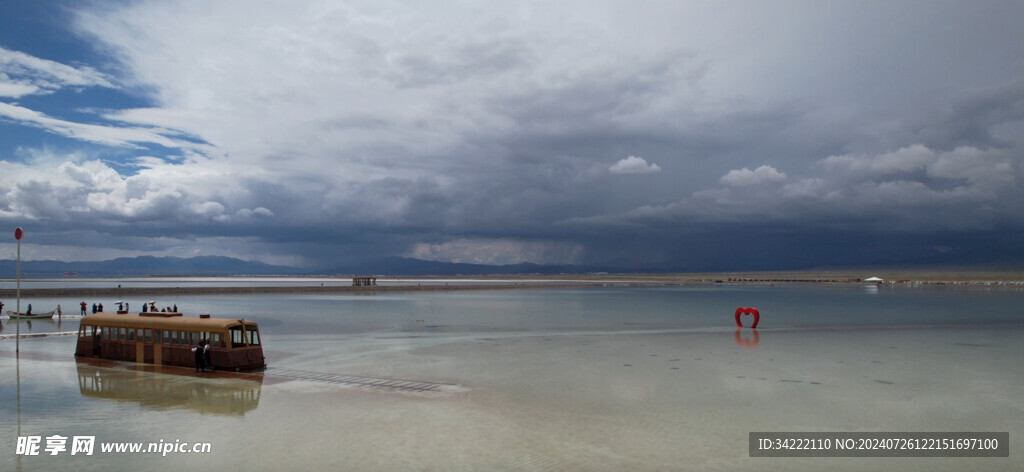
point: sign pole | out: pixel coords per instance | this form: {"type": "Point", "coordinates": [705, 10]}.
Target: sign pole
{"type": "Point", "coordinates": [17, 336]}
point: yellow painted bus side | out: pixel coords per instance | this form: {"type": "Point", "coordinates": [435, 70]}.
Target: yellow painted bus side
{"type": "Point", "coordinates": [234, 344]}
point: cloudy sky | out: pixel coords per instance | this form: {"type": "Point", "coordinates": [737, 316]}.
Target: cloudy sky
{"type": "Point", "coordinates": [676, 134]}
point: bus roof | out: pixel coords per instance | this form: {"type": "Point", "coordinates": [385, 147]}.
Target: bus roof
{"type": "Point", "coordinates": [160, 322]}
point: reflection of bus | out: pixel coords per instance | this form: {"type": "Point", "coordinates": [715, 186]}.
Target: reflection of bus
{"type": "Point", "coordinates": [235, 395]}
{"type": "Point", "coordinates": [168, 339]}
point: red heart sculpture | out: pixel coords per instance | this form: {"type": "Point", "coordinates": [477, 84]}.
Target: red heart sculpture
{"type": "Point", "coordinates": [747, 311]}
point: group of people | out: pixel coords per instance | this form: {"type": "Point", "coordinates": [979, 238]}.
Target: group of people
{"type": "Point", "coordinates": [95, 308]}
{"type": "Point", "coordinates": [126, 307]}
{"type": "Point", "coordinates": [152, 308]}
{"type": "Point", "coordinates": [202, 356]}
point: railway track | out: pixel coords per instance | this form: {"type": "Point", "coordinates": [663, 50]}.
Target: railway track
{"type": "Point", "coordinates": [395, 385]}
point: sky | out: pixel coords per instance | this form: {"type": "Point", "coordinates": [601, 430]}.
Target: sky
{"type": "Point", "coordinates": [682, 135]}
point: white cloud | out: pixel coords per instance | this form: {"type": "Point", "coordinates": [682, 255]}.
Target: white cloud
{"type": "Point", "coordinates": [14, 89]}
{"type": "Point", "coordinates": [255, 212]}
{"type": "Point", "coordinates": [762, 175]}
{"type": "Point", "coordinates": [26, 75]}
{"type": "Point", "coordinates": [913, 188]}
{"type": "Point", "coordinates": [107, 135]}
{"type": "Point", "coordinates": [633, 165]}
{"type": "Point", "coordinates": [974, 165]}
{"type": "Point", "coordinates": [90, 190]}
{"type": "Point", "coordinates": [915, 157]}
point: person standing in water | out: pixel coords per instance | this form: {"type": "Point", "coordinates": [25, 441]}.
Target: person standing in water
{"type": "Point", "coordinates": [206, 357]}
{"type": "Point", "coordinates": [200, 355]}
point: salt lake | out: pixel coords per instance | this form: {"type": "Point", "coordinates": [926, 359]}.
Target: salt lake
{"type": "Point", "coordinates": [596, 378]}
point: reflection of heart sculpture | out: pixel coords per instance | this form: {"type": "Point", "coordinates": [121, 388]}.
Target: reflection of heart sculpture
{"type": "Point", "coordinates": [748, 343]}
{"type": "Point", "coordinates": [747, 311]}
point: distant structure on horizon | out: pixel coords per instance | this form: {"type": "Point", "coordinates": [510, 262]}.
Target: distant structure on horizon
{"type": "Point", "coordinates": [364, 281]}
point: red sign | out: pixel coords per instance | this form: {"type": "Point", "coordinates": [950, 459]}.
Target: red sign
{"type": "Point", "coordinates": [17, 234]}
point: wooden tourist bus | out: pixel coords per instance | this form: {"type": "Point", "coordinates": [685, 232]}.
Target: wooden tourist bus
{"type": "Point", "coordinates": [168, 339]}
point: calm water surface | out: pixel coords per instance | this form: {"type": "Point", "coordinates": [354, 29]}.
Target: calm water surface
{"type": "Point", "coordinates": [463, 338]}
{"type": "Point", "coordinates": [584, 309]}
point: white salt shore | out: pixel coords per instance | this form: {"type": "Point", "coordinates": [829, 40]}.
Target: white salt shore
{"type": "Point", "coordinates": [566, 401]}
{"type": "Point", "coordinates": [662, 401]}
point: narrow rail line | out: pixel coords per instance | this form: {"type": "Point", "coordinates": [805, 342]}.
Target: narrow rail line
{"type": "Point", "coordinates": [372, 382]}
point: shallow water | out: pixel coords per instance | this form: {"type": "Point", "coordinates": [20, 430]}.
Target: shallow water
{"type": "Point", "coordinates": [549, 379]}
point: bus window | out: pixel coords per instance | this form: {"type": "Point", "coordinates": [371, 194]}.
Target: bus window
{"type": "Point", "coordinates": [122, 334]}
{"type": "Point", "coordinates": [147, 335]}
{"type": "Point", "coordinates": [216, 340]}
{"type": "Point", "coordinates": [237, 339]}
{"type": "Point", "coordinates": [131, 334]}
{"type": "Point", "coordinates": [254, 337]}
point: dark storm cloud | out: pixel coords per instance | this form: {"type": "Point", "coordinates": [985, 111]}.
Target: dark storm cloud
{"type": "Point", "coordinates": [679, 135]}
{"type": "Point", "coordinates": [974, 120]}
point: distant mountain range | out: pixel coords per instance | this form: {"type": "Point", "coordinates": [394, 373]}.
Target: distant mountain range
{"type": "Point", "coordinates": [144, 266]}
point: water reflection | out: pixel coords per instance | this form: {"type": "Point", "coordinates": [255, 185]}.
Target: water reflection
{"type": "Point", "coordinates": [223, 395]}
{"type": "Point", "coordinates": [747, 343]}
{"type": "Point", "coordinates": [43, 325]}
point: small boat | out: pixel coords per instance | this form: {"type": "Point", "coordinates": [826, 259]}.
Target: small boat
{"type": "Point", "coordinates": [34, 316]}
